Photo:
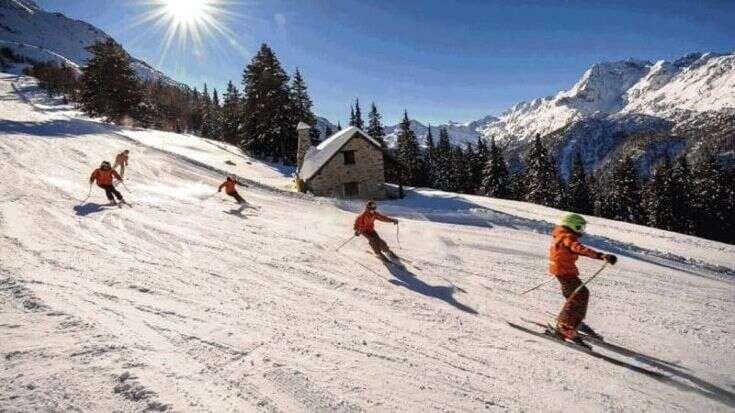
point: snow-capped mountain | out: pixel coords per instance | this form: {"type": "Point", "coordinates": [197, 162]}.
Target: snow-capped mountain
{"type": "Point", "coordinates": [38, 35]}
{"type": "Point", "coordinates": [668, 90]}
{"type": "Point", "coordinates": [648, 108]}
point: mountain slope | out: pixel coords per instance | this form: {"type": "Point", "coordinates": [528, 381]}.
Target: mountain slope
{"type": "Point", "coordinates": [37, 34]}
{"type": "Point", "coordinates": [181, 303]}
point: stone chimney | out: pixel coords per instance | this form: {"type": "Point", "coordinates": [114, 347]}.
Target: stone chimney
{"type": "Point", "coordinates": [304, 143]}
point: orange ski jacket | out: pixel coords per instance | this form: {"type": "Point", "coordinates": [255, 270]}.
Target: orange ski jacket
{"type": "Point", "coordinates": [104, 176]}
{"type": "Point", "coordinates": [365, 222]}
{"type": "Point", "coordinates": [564, 251]}
{"type": "Point", "coordinates": [229, 186]}
{"type": "Point", "coordinates": [121, 159]}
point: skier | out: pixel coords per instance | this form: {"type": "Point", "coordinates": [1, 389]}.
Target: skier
{"type": "Point", "coordinates": [365, 225]}
{"type": "Point", "coordinates": [121, 160]}
{"type": "Point", "coordinates": [104, 176]}
{"type": "Point", "coordinates": [563, 253]}
{"type": "Point", "coordinates": [229, 184]}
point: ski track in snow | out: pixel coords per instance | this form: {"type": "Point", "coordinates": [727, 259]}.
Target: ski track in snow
{"type": "Point", "coordinates": [177, 304]}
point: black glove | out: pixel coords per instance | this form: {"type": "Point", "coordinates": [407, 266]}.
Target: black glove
{"type": "Point", "coordinates": [357, 233]}
{"type": "Point", "coordinates": [611, 259]}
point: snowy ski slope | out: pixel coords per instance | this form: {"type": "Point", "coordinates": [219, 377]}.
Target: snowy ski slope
{"type": "Point", "coordinates": [183, 303]}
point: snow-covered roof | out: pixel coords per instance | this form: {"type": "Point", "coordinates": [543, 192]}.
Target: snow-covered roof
{"type": "Point", "coordinates": [302, 125]}
{"type": "Point", "coordinates": [318, 156]}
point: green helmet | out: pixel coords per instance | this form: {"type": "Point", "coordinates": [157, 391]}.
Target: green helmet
{"type": "Point", "coordinates": [573, 221]}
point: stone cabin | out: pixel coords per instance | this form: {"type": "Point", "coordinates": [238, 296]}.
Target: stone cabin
{"type": "Point", "coordinates": [348, 164]}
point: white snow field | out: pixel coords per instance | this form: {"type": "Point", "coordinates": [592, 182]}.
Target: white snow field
{"type": "Point", "coordinates": [182, 303]}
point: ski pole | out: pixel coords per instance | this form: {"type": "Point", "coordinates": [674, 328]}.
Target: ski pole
{"type": "Point", "coordinates": [125, 186]}
{"type": "Point", "coordinates": [89, 193]}
{"type": "Point", "coordinates": [588, 280]}
{"type": "Point", "coordinates": [398, 240]}
{"type": "Point", "coordinates": [345, 243]}
{"type": "Point", "coordinates": [538, 286]}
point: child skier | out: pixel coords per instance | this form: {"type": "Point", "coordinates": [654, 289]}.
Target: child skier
{"type": "Point", "coordinates": [121, 160]}
{"type": "Point", "coordinates": [563, 253]}
{"type": "Point", "coordinates": [104, 176]}
{"type": "Point", "coordinates": [229, 184]}
{"type": "Point", "coordinates": [365, 225]}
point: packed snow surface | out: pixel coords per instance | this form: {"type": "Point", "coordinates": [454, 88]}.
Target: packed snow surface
{"type": "Point", "coordinates": [184, 302]}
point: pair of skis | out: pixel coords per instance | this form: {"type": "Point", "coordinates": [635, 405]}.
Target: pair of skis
{"type": "Point", "coordinates": [585, 346]}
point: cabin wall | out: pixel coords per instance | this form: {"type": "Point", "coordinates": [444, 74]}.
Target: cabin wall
{"type": "Point", "coordinates": [368, 171]}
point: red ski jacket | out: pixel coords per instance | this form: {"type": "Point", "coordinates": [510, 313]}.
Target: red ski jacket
{"type": "Point", "coordinates": [564, 251]}
{"type": "Point", "coordinates": [365, 222]}
{"type": "Point", "coordinates": [103, 176]}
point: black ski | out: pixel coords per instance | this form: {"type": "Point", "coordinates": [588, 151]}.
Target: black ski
{"type": "Point", "coordinates": [586, 350]}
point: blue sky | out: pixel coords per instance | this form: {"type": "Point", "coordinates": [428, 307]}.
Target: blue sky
{"type": "Point", "coordinates": [441, 60]}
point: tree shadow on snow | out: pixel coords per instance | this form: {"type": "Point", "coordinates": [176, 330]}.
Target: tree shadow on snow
{"type": "Point", "coordinates": [405, 278]}
{"type": "Point", "coordinates": [83, 210]}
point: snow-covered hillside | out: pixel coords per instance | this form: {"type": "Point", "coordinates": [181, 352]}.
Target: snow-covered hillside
{"type": "Point", "coordinates": [184, 303]}
{"type": "Point", "coordinates": [41, 36]}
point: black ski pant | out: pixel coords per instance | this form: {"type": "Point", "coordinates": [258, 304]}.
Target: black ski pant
{"type": "Point", "coordinates": [237, 197]}
{"type": "Point", "coordinates": [110, 191]}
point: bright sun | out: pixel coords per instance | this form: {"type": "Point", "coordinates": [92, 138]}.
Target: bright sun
{"type": "Point", "coordinates": [187, 11]}
{"type": "Point", "coordinates": [188, 23]}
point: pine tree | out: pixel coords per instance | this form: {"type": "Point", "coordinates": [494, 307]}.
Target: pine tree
{"type": "Point", "coordinates": [458, 170]}
{"type": "Point", "coordinates": [443, 162]}
{"type": "Point", "coordinates": [301, 104]}
{"type": "Point", "coordinates": [339, 126]}
{"type": "Point", "coordinates": [109, 85]}
{"type": "Point", "coordinates": [578, 189]}
{"type": "Point", "coordinates": [197, 112]}
{"type": "Point", "coordinates": [473, 174]}
{"type": "Point", "coordinates": [353, 121]}
{"type": "Point", "coordinates": [624, 199]}
{"type": "Point", "coordinates": [541, 180]}
{"type": "Point", "coordinates": [711, 197]}
{"type": "Point", "coordinates": [215, 115]}
{"type": "Point", "coordinates": [496, 182]}
{"type": "Point", "coordinates": [658, 197]}
{"type": "Point", "coordinates": [267, 129]}
{"type": "Point", "coordinates": [681, 196]}
{"type": "Point", "coordinates": [375, 128]}
{"type": "Point", "coordinates": [328, 131]}
{"type": "Point", "coordinates": [408, 153]}
{"type": "Point", "coordinates": [358, 116]}
{"type": "Point", "coordinates": [427, 160]}
{"type": "Point", "coordinates": [231, 115]}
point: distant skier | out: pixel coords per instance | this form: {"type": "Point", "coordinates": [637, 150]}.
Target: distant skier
{"type": "Point", "coordinates": [563, 253]}
{"type": "Point", "coordinates": [365, 225]}
{"type": "Point", "coordinates": [229, 184]}
{"type": "Point", "coordinates": [121, 160]}
{"type": "Point", "coordinates": [104, 176]}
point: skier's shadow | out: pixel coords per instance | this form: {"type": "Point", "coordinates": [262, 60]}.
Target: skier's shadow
{"type": "Point", "coordinates": [405, 278]}
{"type": "Point", "coordinates": [83, 210]}
{"type": "Point", "coordinates": [698, 385]}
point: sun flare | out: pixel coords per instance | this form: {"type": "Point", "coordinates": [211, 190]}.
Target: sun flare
{"type": "Point", "coordinates": [189, 24]}
{"type": "Point", "coordinates": [187, 11]}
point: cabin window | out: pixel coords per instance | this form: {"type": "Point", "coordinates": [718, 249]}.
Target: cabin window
{"type": "Point", "coordinates": [349, 157]}
{"type": "Point", "coordinates": [352, 189]}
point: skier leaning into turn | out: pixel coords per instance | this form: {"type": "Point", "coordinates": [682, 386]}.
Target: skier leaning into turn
{"type": "Point", "coordinates": [121, 160]}
{"type": "Point", "coordinates": [104, 176]}
{"type": "Point", "coordinates": [229, 184]}
{"type": "Point", "coordinates": [563, 253]}
{"type": "Point", "coordinates": [365, 225]}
